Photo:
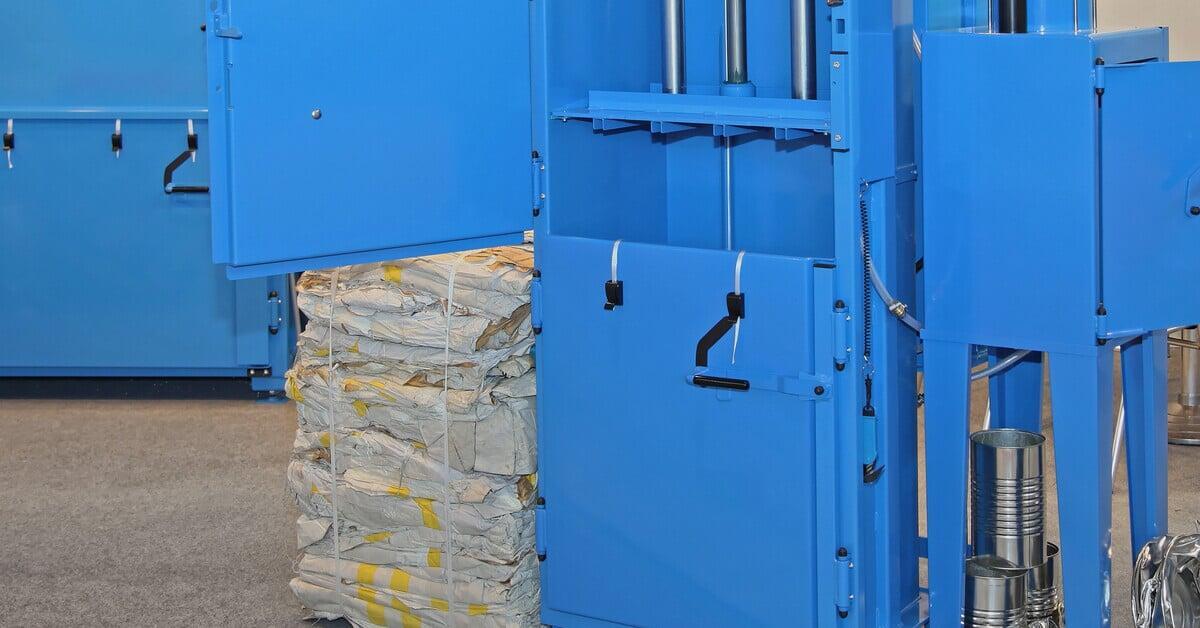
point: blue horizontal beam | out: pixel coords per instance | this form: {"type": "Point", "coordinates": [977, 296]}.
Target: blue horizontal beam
{"type": "Point", "coordinates": [104, 113]}
{"type": "Point", "coordinates": [763, 113]}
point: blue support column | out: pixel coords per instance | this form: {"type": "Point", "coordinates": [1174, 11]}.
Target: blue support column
{"type": "Point", "coordinates": [947, 426]}
{"type": "Point", "coordinates": [1082, 392]}
{"type": "Point", "coordinates": [1144, 377]}
{"type": "Point", "coordinates": [1016, 395]}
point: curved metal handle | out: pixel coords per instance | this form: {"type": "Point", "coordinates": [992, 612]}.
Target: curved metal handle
{"type": "Point", "coordinates": [169, 187]}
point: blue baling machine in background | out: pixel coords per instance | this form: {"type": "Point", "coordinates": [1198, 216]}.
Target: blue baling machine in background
{"type": "Point", "coordinates": [105, 274]}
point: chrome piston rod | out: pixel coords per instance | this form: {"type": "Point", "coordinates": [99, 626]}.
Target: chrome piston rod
{"type": "Point", "coordinates": [804, 50]}
{"type": "Point", "coordinates": [674, 59]}
{"type": "Point", "coordinates": [736, 71]}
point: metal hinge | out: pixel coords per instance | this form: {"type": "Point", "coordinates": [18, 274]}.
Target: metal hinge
{"type": "Point", "coordinates": [221, 23]}
{"type": "Point", "coordinates": [845, 597]}
{"type": "Point", "coordinates": [539, 184]}
{"type": "Point", "coordinates": [1100, 78]}
{"type": "Point", "coordinates": [535, 296]}
{"type": "Point", "coordinates": [1102, 334]}
{"type": "Point", "coordinates": [259, 372]}
{"type": "Point", "coordinates": [841, 335]}
{"type": "Point", "coordinates": [539, 520]}
{"type": "Point", "coordinates": [275, 312]}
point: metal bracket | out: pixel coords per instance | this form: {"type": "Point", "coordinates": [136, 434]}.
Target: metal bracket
{"type": "Point", "coordinates": [841, 335]}
{"type": "Point", "coordinates": [539, 515]}
{"type": "Point", "coordinates": [806, 386]}
{"type": "Point", "coordinates": [535, 290]}
{"type": "Point", "coordinates": [275, 309]}
{"type": "Point", "coordinates": [539, 184]}
{"type": "Point", "coordinates": [845, 568]}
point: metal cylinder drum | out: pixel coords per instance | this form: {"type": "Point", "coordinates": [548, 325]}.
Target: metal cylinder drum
{"type": "Point", "coordinates": [1007, 498]}
{"type": "Point", "coordinates": [996, 593]}
{"type": "Point", "coordinates": [1183, 416]}
{"type": "Point", "coordinates": [1043, 600]}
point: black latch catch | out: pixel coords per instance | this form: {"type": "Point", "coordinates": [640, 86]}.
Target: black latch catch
{"type": "Point", "coordinates": [614, 294]}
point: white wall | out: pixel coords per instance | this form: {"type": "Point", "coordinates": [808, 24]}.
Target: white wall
{"type": "Point", "coordinates": [1181, 16]}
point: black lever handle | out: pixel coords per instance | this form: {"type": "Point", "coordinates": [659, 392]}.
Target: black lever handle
{"type": "Point", "coordinates": [728, 383]}
{"type": "Point", "coordinates": [736, 305]}
{"type": "Point", "coordinates": [168, 175]}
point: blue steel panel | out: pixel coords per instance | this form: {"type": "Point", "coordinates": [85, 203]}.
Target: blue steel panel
{"type": "Point", "coordinates": [1011, 260]}
{"type": "Point", "coordinates": [657, 490]}
{"type": "Point", "coordinates": [88, 54]}
{"type": "Point", "coordinates": [435, 124]}
{"type": "Point", "coordinates": [1151, 144]}
{"type": "Point", "coordinates": [101, 268]}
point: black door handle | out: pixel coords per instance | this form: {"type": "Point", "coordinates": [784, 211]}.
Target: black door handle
{"type": "Point", "coordinates": [708, 381]}
{"type": "Point", "coordinates": [168, 175]}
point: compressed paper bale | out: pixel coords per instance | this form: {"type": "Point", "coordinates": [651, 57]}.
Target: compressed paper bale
{"type": "Point", "coordinates": [501, 415]}
{"type": "Point", "coordinates": [427, 327]}
{"type": "Point", "coordinates": [351, 349]}
{"type": "Point", "coordinates": [404, 374]}
{"type": "Point", "coordinates": [312, 485]}
{"type": "Point", "coordinates": [376, 462]}
{"type": "Point", "coordinates": [315, 536]}
{"type": "Point", "coordinates": [367, 607]}
{"type": "Point", "coordinates": [416, 591]}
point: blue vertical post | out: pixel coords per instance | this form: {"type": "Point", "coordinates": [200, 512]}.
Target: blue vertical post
{"type": "Point", "coordinates": [1144, 377]}
{"type": "Point", "coordinates": [1015, 396]}
{"type": "Point", "coordinates": [1082, 394]}
{"type": "Point", "coordinates": [1061, 16]}
{"type": "Point", "coordinates": [947, 414]}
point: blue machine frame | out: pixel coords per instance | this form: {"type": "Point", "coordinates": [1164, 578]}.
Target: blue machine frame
{"type": "Point", "coordinates": [1063, 236]}
{"type": "Point", "coordinates": [666, 502]}
{"type": "Point", "coordinates": [792, 499]}
{"type": "Point", "coordinates": [105, 275]}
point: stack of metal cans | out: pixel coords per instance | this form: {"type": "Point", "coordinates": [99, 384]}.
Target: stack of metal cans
{"type": "Point", "coordinates": [1013, 579]}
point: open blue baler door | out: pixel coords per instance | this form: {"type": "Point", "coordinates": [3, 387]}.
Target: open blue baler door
{"type": "Point", "coordinates": [343, 134]}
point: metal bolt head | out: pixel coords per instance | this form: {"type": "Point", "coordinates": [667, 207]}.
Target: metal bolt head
{"type": "Point", "coordinates": [1195, 210]}
{"type": "Point", "coordinates": [819, 390]}
{"type": "Point", "coordinates": [316, 114]}
{"type": "Point", "coordinates": [837, 65]}
{"type": "Point", "coordinates": [837, 137]}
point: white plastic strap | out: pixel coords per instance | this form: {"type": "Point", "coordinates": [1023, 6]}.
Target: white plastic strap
{"type": "Point", "coordinates": [615, 252]}
{"type": "Point", "coordinates": [117, 131]}
{"type": "Point", "coordinates": [9, 153]}
{"type": "Point", "coordinates": [331, 417]}
{"type": "Point", "coordinates": [191, 132]}
{"type": "Point", "coordinates": [448, 512]}
{"type": "Point", "coordinates": [737, 289]}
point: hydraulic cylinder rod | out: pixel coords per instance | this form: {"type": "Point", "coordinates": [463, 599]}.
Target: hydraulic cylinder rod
{"type": "Point", "coordinates": [1062, 16]}
{"type": "Point", "coordinates": [674, 64]}
{"type": "Point", "coordinates": [1013, 16]}
{"type": "Point", "coordinates": [804, 51]}
{"type": "Point", "coordinates": [735, 42]}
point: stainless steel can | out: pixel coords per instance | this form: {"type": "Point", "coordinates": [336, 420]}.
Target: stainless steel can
{"type": "Point", "coordinates": [996, 594]}
{"type": "Point", "coordinates": [1044, 598]}
{"type": "Point", "coordinates": [1007, 499]}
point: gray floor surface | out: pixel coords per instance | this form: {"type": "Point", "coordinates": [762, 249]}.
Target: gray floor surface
{"type": "Point", "coordinates": [175, 513]}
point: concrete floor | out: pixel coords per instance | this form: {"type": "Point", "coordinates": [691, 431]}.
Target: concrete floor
{"type": "Point", "coordinates": [146, 513]}
{"type": "Point", "coordinates": [156, 513]}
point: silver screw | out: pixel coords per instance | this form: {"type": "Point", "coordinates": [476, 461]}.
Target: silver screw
{"type": "Point", "coordinates": [837, 65]}
{"type": "Point", "coordinates": [837, 137]}
{"type": "Point", "coordinates": [316, 114]}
